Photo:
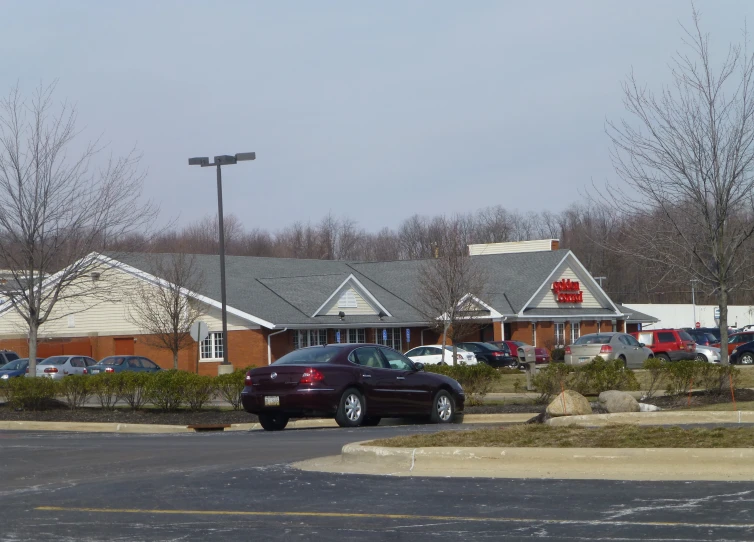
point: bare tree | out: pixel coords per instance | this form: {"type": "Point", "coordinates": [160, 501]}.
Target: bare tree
{"type": "Point", "coordinates": [163, 310]}
{"type": "Point", "coordinates": [57, 208]}
{"type": "Point", "coordinates": [686, 158]}
{"type": "Point", "coordinates": [449, 286]}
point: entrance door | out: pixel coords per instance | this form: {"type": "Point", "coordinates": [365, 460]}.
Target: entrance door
{"type": "Point", "coordinates": [124, 346]}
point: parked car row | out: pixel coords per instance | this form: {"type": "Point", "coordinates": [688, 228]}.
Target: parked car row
{"type": "Point", "coordinates": [498, 354]}
{"type": "Point", "coordinates": [58, 367]}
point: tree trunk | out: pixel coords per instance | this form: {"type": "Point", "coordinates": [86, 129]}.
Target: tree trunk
{"type": "Point", "coordinates": [33, 332]}
{"type": "Point", "coordinates": [175, 359]}
{"type": "Point", "coordinates": [722, 297]}
{"type": "Point", "coordinates": [455, 353]}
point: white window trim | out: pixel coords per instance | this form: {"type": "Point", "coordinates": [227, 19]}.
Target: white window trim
{"type": "Point", "coordinates": [575, 326]}
{"type": "Point", "coordinates": [211, 335]}
{"type": "Point", "coordinates": [557, 343]}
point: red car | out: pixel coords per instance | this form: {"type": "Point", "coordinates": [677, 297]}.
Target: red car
{"type": "Point", "coordinates": [357, 384]}
{"type": "Point", "coordinates": [542, 354]}
{"type": "Point", "coordinates": [667, 344]}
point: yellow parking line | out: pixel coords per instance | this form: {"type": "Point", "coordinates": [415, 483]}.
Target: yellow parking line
{"type": "Point", "coordinates": [393, 516]}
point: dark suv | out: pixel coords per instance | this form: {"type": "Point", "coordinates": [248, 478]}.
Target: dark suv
{"type": "Point", "coordinates": [704, 338]}
{"type": "Point", "coordinates": [7, 356]}
{"type": "Point", "coordinates": [667, 344]}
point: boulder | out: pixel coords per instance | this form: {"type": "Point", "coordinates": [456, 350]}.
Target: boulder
{"type": "Point", "coordinates": [618, 401]}
{"type": "Point", "coordinates": [575, 405]}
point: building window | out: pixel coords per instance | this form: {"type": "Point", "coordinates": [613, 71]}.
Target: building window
{"type": "Point", "coordinates": [212, 346]}
{"type": "Point", "coordinates": [353, 335]}
{"type": "Point", "coordinates": [309, 337]}
{"type": "Point", "coordinates": [533, 334]}
{"type": "Point", "coordinates": [347, 300]}
{"type": "Point", "coordinates": [575, 331]}
{"type": "Point", "coordinates": [559, 335]}
{"type": "Point", "coordinates": [393, 339]}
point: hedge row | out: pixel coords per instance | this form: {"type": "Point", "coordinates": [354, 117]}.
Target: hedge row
{"type": "Point", "coordinates": [166, 390]}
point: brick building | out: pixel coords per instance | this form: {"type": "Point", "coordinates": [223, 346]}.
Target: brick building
{"type": "Point", "coordinates": [535, 293]}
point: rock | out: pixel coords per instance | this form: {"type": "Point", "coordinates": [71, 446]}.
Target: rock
{"type": "Point", "coordinates": [645, 407]}
{"type": "Point", "coordinates": [575, 405]}
{"type": "Point", "coordinates": [618, 401]}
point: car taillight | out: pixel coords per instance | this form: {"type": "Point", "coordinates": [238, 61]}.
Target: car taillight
{"type": "Point", "coordinates": [51, 369]}
{"type": "Point", "coordinates": [86, 372]}
{"type": "Point", "coordinates": [311, 376]}
{"type": "Point", "coordinates": [109, 370]}
{"type": "Point", "coordinates": [27, 370]}
{"type": "Point", "coordinates": [606, 349]}
{"type": "Point", "coordinates": [568, 350]}
{"type": "Point", "coordinates": [497, 354]}
{"type": "Point", "coordinates": [247, 380]}
{"type": "Point", "coordinates": [690, 347]}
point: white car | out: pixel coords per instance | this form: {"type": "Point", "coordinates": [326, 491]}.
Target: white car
{"type": "Point", "coordinates": [432, 355]}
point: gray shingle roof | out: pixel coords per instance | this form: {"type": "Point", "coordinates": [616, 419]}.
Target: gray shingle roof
{"type": "Point", "coordinates": [636, 317]}
{"type": "Point", "coordinates": [286, 291]}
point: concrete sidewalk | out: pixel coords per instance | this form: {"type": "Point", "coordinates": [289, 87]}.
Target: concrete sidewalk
{"type": "Point", "coordinates": [93, 427]}
{"type": "Point", "coordinates": [724, 464]}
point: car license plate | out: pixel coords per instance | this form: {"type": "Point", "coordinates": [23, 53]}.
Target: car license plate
{"type": "Point", "coordinates": [95, 371]}
{"type": "Point", "coordinates": [272, 400]}
{"type": "Point", "coordinates": [583, 359]}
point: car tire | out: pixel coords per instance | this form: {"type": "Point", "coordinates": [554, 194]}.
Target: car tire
{"type": "Point", "coordinates": [443, 408]}
{"type": "Point", "coordinates": [664, 358]}
{"type": "Point", "coordinates": [371, 421]}
{"type": "Point", "coordinates": [623, 363]}
{"type": "Point", "coordinates": [351, 409]}
{"type": "Point", "coordinates": [273, 422]}
{"type": "Point", "coordinates": [746, 359]}
{"type": "Point", "coordinates": [700, 357]}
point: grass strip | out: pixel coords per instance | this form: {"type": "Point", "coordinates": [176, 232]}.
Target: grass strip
{"type": "Point", "coordinates": [613, 436]}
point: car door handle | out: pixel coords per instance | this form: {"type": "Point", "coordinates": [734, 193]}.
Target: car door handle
{"type": "Point", "coordinates": [366, 376]}
{"type": "Point", "coordinates": [400, 378]}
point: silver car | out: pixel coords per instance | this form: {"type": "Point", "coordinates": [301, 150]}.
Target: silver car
{"type": "Point", "coordinates": [58, 367]}
{"type": "Point", "coordinates": [609, 346]}
{"type": "Point", "coordinates": [707, 353]}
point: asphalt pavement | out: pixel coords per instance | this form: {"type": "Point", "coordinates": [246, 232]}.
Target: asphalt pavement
{"type": "Point", "coordinates": [240, 486]}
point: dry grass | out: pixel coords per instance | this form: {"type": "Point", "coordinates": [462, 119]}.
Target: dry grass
{"type": "Point", "coordinates": [718, 407]}
{"type": "Point", "coordinates": [616, 436]}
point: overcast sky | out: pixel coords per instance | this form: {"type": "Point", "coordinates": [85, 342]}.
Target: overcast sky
{"type": "Point", "coordinates": [373, 110]}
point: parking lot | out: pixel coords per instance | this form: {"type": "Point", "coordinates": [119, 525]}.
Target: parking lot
{"type": "Point", "coordinates": [239, 486]}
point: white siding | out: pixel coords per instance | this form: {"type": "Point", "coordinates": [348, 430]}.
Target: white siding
{"type": "Point", "coordinates": [103, 316]}
{"type": "Point", "coordinates": [362, 307]}
{"type": "Point", "coordinates": [540, 245]}
{"type": "Point", "coordinates": [547, 299]}
{"type": "Point", "coordinates": [682, 315]}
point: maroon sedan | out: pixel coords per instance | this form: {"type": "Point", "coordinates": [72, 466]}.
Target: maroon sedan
{"type": "Point", "coordinates": [358, 384]}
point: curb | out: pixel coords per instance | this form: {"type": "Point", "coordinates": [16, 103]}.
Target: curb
{"type": "Point", "coordinates": [146, 428]}
{"type": "Point", "coordinates": [654, 418]}
{"type": "Point", "coordinates": [721, 464]}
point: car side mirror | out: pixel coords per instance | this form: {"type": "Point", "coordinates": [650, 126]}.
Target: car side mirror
{"type": "Point", "coordinates": [419, 366]}
{"type": "Point", "coordinates": [642, 344]}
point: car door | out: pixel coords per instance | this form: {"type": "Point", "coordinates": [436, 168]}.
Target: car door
{"type": "Point", "coordinates": [635, 356]}
{"type": "Point", "coordinates": [149, 365]}
{"type": "Point", "coordinates": [413, 392]}
{"type": "Point", "coordinates": [134, 364]}
{"type": "Point", "coordinates": [378, 382]}
{"type": "Point", "coordinates": [77, 366]}
{"type": "Point", "coordinates": [417, 354]}
{"type": "Point", "coordinates": [665, 342]}
{"type": "Point", "coordinates": [433, 355]}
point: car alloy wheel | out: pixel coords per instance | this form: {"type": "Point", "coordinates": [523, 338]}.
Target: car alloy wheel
{"type": "Point", "coordinates": [353, 407]}
{"type": "Point", "coordinates": [443, 408]}
{"type": "Point", "coordinates": [747, 359]}
{"type": "Point", "coordinates": [700, 357]}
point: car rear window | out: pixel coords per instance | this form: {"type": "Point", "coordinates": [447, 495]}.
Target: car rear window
{"type": "Point", "coordinates": [665, 337]}
{"type": "Point", "coordinates": [593, 339]}
{"type": "Point", "coordinates": [10, 356]}
{"type": "Point", "coordinates": [112, 361]}
{"type": "Point", "coordinates": [54, 360]}
{"type": "Point", "coordinates": [684, 336]}
{"type": "Point", "coordinates": [314, 354]}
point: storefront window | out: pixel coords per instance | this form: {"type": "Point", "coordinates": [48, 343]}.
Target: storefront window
{"type": "Point", "coordinates": [559, 335]}
{"type": "Point", "coordinates": [575, 331]}
{"type": "Point", "coordinates": [352, 336]}
{"type": "Point", "coordinates": [393, 339]}
{"type": "Point", "coordinates": [309, 337]}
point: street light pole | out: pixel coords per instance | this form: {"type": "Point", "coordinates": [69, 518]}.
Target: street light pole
{"type": "Point", "coordinates": [693, 299]}
{"type": "Point", "coordinates": [220, 161]}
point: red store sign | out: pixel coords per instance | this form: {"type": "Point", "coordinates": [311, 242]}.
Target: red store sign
{"type": "Point", "coordinates": [568, 291]}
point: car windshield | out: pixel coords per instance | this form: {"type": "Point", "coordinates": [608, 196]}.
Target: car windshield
{"type": "Point", "coordinates": [489, 346]}
{"type": "Point", "coordinates": [518, 343]}
{"type": "Point", "coordinates": [54, 360]}
{"type": "Point", "coordinates": [684, 336]}
{"type": "Point", "coordinates": [593, 339]}
{"type": "Point", "coordinates": [112, 361]}
{"type": "Point", "coordinates": [314, 354]}
{"type": "Point", "coordinates": [15, 365]}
